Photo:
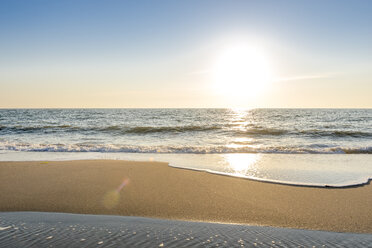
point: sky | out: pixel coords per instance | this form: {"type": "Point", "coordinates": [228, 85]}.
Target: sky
{"type": "Point", "coordinates": [171, 54]}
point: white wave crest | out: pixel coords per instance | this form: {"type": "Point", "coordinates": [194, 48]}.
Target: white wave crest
{"type": "Point", "coordinates": [118, 148]}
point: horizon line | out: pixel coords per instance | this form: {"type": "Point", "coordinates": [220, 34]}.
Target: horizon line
{"type": "Point", "coordinates": [8, 108]}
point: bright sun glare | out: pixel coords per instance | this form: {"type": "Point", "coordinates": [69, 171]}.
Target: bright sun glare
{"type": "Point", "coordinates": [241, 71]}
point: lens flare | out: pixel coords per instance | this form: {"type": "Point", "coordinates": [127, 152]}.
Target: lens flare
{"type": "Point", "coordinates": [111, 198]}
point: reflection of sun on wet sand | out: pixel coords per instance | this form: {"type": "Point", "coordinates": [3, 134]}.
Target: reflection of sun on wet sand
{"type": "Point", "coordinates": [153, 189]}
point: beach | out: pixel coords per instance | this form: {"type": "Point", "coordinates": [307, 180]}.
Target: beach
{"type": "Point", "coordinates": [185, 124]}
{"type": "Point", "coordinates": [40, 229]}
{"type": "Point", "coordinates": [155, 190]}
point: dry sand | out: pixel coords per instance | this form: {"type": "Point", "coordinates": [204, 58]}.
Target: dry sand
{"type": "Point", "coordinates": [152, 189]}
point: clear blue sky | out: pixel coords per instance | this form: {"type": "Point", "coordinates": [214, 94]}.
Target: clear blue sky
{"type": "Point", "coordinates": [158, 53]}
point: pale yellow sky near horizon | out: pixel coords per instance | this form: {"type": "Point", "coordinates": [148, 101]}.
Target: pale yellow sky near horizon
{"type": "Point", "coordinates": [167, 86]}
{"type": "Point", "coordinates": [278, 96]}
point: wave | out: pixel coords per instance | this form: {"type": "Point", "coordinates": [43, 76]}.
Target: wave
{"type": "Point", "coordinates": [115, 148]}
{"type": "Point", "coordinates": [315, 133]}
{"type": "Point", "coordinates": [336, 133]}
{"type": "Point", "coordinates": [115, 128]}
{"type": "Point", "coordinates": [262, 131]}
{"type": "Point", "coordinates": [363, 150]}
{"type": "Point", "coordinates": [177, 129]}
{"type": "Point", "coordinates": [30, 129]}
{"type": "Point", "coordinates": [227, 129]}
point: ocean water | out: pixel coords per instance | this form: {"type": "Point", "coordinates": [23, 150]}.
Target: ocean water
{"type": "Point", "coordinates": [299, 146]}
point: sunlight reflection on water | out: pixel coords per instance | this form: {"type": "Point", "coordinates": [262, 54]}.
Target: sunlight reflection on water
{"type": "Point", "coordinates": [242, 164]}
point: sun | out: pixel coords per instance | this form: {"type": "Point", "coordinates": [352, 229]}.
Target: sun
{"type": "Point", "coordinates": [241, 71]}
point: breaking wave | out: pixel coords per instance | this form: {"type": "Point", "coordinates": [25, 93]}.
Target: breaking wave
{"type": "Point", "coordinates": [114, 148]}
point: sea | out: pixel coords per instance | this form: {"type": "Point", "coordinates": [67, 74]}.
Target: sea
{"type": "Point", "coordinates": [308, 147]}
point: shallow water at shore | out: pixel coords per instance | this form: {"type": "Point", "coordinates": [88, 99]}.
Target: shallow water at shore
{"type": "Point", "coordinates": [319, 170]}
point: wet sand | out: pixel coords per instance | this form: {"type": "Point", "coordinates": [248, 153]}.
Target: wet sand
{"type": "Point", "coordinates": [33, 229]}
{"type": "Point", "coordinates": [152, 189]}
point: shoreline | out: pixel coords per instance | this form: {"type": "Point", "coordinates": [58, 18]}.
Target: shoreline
{"type": "Point", "coordinates": [156, 190]}
{"type": "Point", "coordinates": [340, 174]}
{"type": "Point", "coordinates": [278, 182]}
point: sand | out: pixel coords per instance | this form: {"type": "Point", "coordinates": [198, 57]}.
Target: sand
{"type": "Point", "coordinates": [33, 229]}
{"type": "Point", "coordinates": [152, 189]}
